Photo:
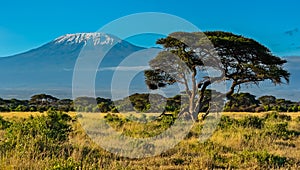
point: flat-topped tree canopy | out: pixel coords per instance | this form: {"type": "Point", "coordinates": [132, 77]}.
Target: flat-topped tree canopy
{"type": "Point", "coordinates": [38, 98]}
{"type": "Point", "coordinates": [247, 61]}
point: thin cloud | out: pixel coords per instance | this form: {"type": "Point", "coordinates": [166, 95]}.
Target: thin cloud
{"type": "Point", "coordinates": [67, 69]}
{"type": "Point", "coordinates": [291, 32]}
{"type": "Point", "coordinates": [124, 68]}
{"type": "Point", "coordinates": [118, 68]}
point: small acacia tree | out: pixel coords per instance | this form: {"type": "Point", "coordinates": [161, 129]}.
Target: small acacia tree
{"type": "Point", "coordinates": [239, 60]}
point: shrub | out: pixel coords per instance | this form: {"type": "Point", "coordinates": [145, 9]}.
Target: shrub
{"type": "Point", "coordinates": [3, 123]}
{"type": "Point", "coordinates": [151, 118]}
{"type": "Point", "coordinates": [167, 120]}
{"type": "Point", "coordinates": [4, 109]}
{"type": "Point", "coordinates": [114, 110]}
{"type": "Point", "coordinates": [265, 159]}
{"type": "Point", "coordinates": [79, 116]}
{"type": "Point", "coordinates": [21, 108]}
{"type": "Point", "coordinates": [57, 125]}
{"type": "Point", "coordinates": [178, 161]}
{"type": "Point", "coordinates": [41, 134]}
{"type": "Point", "coordinates": [297, 119]}
{"type": "Point", "coordinates": [143, 118]}
{"type": "Point", "coordinates": [277, 116]}
{"type": "Point", "coordinates": [112, 117]}
{"type": "Point", "coordinates": [277, 130]}
{"type": "Point", "coordinates": [226, 122]}
{"type": "Point", "coordinates": [251, 122]}
{"type": "Point", "coordinates": [132, 117]}
{"type": "Point", "coordinates": [66, 164]}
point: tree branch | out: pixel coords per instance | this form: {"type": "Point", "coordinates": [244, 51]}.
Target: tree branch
{"type": "Point", "coordinates": [199, 102]}
{"type": "Point", "coordinates": [231, 90]}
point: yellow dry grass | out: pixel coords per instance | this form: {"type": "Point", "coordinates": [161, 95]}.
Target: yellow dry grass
{"type": "Point", "coordinates": [224, 148]}
{"type": "Point", "coordinates": [96, 115]}
{"type": "Point", "coordinates": [19, 114]}
{"type": "Point", "coordinates": [10, 115]}
{"type": "Point", "coordinates": [260, 114]}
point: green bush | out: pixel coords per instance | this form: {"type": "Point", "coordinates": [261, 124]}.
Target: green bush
{"type": "Point", "coordinates": [36, 135]}
{"type": "Point", "coordinates": [178, 161]}
{"type": "Point", "coordinates": [114, 110]}
{"type": "Point", "coordinates": [57, 126]}
{"type": "Point", "coordinates": [143, 118]}
{"type": "Point", "coordinates": [251, 122]}
{"type": "Point", "coordinates": [277, 116]}
{"type": "Point", "coordinates": [265, 159]}
{"type": "Point", "coordinates": [277, 130]}
{"type": "Point", "coordinates": [115, 120]}
{"type": "Point", "coordinates": [152, 118]}
{"type": "Point", "coordinates": [112, 117]}
{"type": "Point", "coordinates": [167, 120]}
{"type": "Point", "coordinates": [66, 164]}
{"type": "Point", "coordinates": [131, 117]}
{"type": "Point", "coordinates": [4, 124]}
{"type": "Point", "coordinates": [297, 119]}
{"type": "Point", "coordinates": [227, 122]}
{"type": "Point", "coordinates": [21, 108]}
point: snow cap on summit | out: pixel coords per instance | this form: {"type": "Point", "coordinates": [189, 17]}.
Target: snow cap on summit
{"type": "Point", "coordinates": [97, 38]}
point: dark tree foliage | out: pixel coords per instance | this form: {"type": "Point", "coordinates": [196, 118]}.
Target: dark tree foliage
{"type": "Point", "coordinates": [267, 100]}
{"type": "Point", "coordinates": [242, 102]}
{"type": "Point", "coordinates": [13, 105]}
{"type": "Point", "coordinates": [4, 123]}
{"type": "Point", "coordinates": [247, 61]}
{"type": "Point", "coordinates": [65, 105]}
{"type": "Point", "coordinates": [144, 102]}
{"type": "Point", "coordinates": [42, 99]}
{"type": "Point", "coordinates": [38, 102]}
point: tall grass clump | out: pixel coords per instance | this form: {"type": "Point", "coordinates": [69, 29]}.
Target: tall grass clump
{"type": "Point", "coordinates": [39, 138]}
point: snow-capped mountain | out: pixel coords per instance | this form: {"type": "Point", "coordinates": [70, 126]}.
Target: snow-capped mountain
{"type": "Point", "coordinates": [78, 38]}
{"type": "Point", "coordinates": [49, 68]}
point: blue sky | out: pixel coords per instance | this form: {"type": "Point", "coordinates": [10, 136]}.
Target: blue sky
{"type": "Point", "coordinates": [28, 24]}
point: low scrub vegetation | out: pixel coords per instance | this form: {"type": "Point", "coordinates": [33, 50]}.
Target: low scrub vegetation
{"type": "Point", "coordinates": [56, 141]}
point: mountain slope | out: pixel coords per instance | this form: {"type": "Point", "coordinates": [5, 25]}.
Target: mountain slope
{"type": "Point", "coordinates": [50, 67]}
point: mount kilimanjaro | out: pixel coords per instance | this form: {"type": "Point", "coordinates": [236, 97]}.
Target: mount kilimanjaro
{"type": "Point", "coordinates": [49, 69]}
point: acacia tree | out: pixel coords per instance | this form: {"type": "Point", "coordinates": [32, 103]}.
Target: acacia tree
{"type": "Point", "coordinates": [239, 60]}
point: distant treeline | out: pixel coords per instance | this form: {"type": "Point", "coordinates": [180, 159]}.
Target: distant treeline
{"type": "Point", "coordinates": [241, 102]}
{"type": "Point", "coordinates": [39, 102]}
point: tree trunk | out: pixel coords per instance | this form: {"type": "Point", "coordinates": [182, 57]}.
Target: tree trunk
{"type": "Point", "coordinates": [192, 112]}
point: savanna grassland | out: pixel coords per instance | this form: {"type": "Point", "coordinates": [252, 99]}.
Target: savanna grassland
{"type": "Point", "coordinates": [55, 140]}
